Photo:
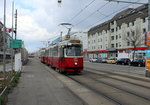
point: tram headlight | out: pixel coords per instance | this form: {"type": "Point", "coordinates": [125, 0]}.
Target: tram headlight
{"type": "Point", "coordinates": [75, 63]}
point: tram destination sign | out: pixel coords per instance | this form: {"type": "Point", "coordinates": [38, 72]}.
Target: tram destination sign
{"type": "Point", "coordinates": [15, 44]}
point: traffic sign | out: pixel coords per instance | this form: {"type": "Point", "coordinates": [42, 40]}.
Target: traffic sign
{"type": "Point", "coordinates": [15, 44]}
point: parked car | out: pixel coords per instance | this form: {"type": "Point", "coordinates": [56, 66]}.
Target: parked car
{"type": "Point", "coordinates": [123, 61]}
{"type": "Point", "coordinates": [99, 60]}
{"type": "Point", "coordinates": [138, 62]}
{"type": "Point", "coordinates": [104, 60]}
{"type": "Point", "coordinates": [111, 60]}
{"type": "Point", "coordinates": [93, 60]}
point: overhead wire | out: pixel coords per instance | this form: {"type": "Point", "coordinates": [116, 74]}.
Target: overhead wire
{"type": "Point", "coordinates": [92, 14]}
{"type": "Point", "coordinates": [81, 10]}
{"type": "Point", "coordinates": [106, 16]}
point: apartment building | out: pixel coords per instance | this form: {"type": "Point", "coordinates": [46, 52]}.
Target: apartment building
{"type": "Point", "coordinates": [121, 35]}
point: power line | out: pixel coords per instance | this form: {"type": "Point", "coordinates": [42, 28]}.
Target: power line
{"type": "Point", "coordinates": [111, 14]}
{"type": "Point", "coordinates": [93, 14]}
{"type": "Point", "coordinates": [125, 1]}
{"type": "Point", "coordinates": [82, 10]}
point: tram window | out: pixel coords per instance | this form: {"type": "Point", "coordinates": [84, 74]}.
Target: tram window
{"type": "Point", "coordinates": [55, 51]}
{"type": "Point", "coordinates": [73, 51]}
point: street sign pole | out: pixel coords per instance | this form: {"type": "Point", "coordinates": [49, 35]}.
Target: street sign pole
{"type": "Point", "coordinates": [12, 51]}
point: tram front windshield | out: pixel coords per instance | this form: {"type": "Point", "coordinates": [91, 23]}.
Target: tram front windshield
{"type": "Point", "coordinates": [73, 51]}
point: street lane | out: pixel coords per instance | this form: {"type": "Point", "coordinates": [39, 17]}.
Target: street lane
{"type": "Point", "coordinates": [115, 68]}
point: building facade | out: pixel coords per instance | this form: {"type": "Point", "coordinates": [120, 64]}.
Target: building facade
{"type": "Point", "coordinates": [8, 37]}
{"type": "Point", "coordinates": [121, 35]}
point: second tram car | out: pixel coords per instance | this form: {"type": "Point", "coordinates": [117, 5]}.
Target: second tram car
{"type": "Point", "coordinates": [64, 56]}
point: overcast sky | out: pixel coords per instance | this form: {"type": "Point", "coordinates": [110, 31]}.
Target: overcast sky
{"type": "Point", "coordinates": [38, 20]}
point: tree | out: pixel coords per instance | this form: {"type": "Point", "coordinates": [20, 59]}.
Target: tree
{"type": "Point", "coordinates": [135, 39]}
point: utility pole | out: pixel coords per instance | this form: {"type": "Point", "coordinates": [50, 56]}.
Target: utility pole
{"type": "Point", "coordinates": [16, 25]}
{"type": "Point", "coordinates": [12, 51]}
{"type": "Point", "coordinates": [4, 42]}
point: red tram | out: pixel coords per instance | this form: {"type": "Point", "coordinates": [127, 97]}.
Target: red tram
{"type": "Point", "coordinates": [64, 56]}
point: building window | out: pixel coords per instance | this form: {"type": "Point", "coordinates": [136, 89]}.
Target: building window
{"type": "Point", "coordinates": [127, 24]}
{"type": "Point", "coordinates": [144, 30]}
{"type": "Point", "coordinates": [128, 34]}
{"type": "Point", "coordinates": [112, 30]}
{"type": "Point", "coordinates": [119, 44]}
{"type": "Point", "coordinates": [119, 27]}
{"type": "Point", "coordinates": [116, 44]}
{"type": "Point", "coordinates": [112, 23]}
{"type": "Point", "coordinates": [112, 37]}
{"type": "Point", "coordinates": [116, 36]}
{"type": "Point", "coordinates": [144, 20]}
{"type": "Point", "coordinates": [119, 36]}
{"type": "Point", "coordinates": [133, 23]}
{"type": "Point", "coordinates": [112, 45]}
{"type": "Point", "coordinates": [133, 33]}
{"type": "Point", "coordinates": [116, 29]}
{"type": "Point", "coordinates": [128, 43]}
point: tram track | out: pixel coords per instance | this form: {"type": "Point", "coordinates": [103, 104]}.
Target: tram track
{"type": "Point", "coordinates": [96, 91]}
{"type": "Point", "coordinates": [120, 74]}
{"type": "Point", "coordinates": [128, 90]}
{"type": "Point", "coordinates": [143, 82]}
{"type": "Point", "coordinates": [115, 93]}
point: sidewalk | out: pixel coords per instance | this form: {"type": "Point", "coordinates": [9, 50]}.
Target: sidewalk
{"type": "Point", "coordinates": [37, 86]}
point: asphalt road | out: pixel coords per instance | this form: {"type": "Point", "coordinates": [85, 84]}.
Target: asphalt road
{"type": "Point", "coordinates": [115, 68]}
